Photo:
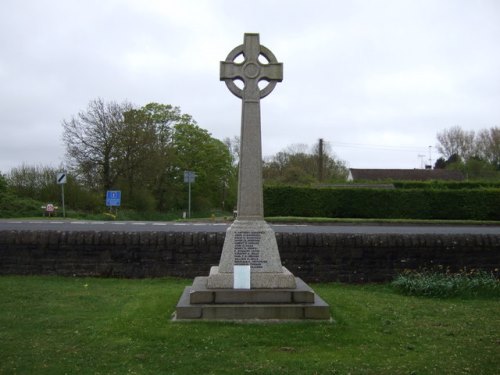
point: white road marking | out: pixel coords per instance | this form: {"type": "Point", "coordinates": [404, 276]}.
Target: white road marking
{"type": "Point", "coordinates": [289, 225]}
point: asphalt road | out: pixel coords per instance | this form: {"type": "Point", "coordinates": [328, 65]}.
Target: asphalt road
{"type": "Point", "coordinates": [141, 226]}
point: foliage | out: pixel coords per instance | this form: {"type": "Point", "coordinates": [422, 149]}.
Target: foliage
{"type": "Point", "coordinates": [456, 141]}
{"type": "Point", "coordinates": [233, 145]}
{"type": "Point", "coordinates": [92, 140]}
{"type": "Point", "coordinates": [210, 158]}
{"type": "Point", "coordinates": [144, 152]}
{"type": "Point", "coordinates": [478, 184]}
{"type": "Point", "coordinates": [443, 284]}
{"type": "Point", "coordinates": [126, 214]}
{"type": "Point", "coordinates": [440, 163]}
{"type": "Point", "coordinates": [460, 204]}
{"type": "Point", "coordinates": [476, 154]}
{"type": "Point", "coordinates": [476, 168]}
{"type": "Point", "coordinates": [39, 183]}
{"type": "Point", "coordinates": [54, 325]}
{"type": "Point", "coordinates": [297, 166]}
{"type": "Point", "coordinates": [473, 168]}
{"type": "Point", "coordinates": [152, 169]}
{"type": "Point", "coordinates": [3, 183]}
{"type": "Point", "coordinates": [488, 146]}
{"type": "Point", "coordinates": [13, 206]}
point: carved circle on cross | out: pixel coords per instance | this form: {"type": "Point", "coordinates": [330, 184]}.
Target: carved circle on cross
{"type": "Point", "coordinates": [251, 70]}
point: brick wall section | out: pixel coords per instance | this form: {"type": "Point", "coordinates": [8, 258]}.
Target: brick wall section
{"type": "Point", "coordinates": [314, 257]}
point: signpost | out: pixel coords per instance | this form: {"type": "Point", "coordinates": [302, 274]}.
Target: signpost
{"type": "Point", "coordinates": [113, 199]}
{"type": "Point", "coordinates": [61, 179]}
{"type": "Point", "coordinates": [189, 177]}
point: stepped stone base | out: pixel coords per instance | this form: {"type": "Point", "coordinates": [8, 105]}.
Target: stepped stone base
{"type": "Point", "coordinates": [198, 302]}
{"type": "Point", "coordinates": [258, 280]}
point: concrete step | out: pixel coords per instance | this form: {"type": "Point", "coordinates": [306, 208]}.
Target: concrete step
{"type": "Point", "coordinates": [281, 308]}
{"type": "Point", "coordinates": [199, 293]}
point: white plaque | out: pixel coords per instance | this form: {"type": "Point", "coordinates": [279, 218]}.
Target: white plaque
{"type": "Point", "coordinates": [242, 277]}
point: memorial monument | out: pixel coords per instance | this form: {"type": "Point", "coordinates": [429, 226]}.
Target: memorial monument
{"type": "Point", "coordinates": [250, 281]}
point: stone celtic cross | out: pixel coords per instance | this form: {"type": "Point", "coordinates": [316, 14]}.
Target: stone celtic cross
{"type": "Point", "coordinates": [251, 71]}
{"type": "Point", "coordinates": [250, 282]}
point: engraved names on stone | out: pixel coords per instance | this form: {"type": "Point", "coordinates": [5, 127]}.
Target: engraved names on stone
{"type": "Point", "coordinates": [247, 249]}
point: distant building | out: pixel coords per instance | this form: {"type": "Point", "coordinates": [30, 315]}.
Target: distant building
{"type": "Point", "coordinates": [404, 175]}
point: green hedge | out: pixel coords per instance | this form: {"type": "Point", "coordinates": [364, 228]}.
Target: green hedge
{"type": "Point", "coordinates": [446, 184]}
{"type": "Point", "coordinates": [463, 204]}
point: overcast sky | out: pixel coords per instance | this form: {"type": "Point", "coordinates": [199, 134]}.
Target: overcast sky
{"type": "Point", "coordinates": [375, 79]}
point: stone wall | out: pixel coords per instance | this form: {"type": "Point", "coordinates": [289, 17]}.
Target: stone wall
{"type": "Point", "coordinates": [313, 257]}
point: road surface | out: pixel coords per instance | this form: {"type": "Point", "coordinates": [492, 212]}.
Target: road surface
{"type": "Point", "coordinates": [141, 226]}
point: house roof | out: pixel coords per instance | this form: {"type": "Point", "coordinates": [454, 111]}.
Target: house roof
{"type": "Point", "coordinates": [405, 174]}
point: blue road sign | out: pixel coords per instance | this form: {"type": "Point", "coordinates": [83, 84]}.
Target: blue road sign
{"type": "Point", "coordinates": [113, 198]}
{"type": "Point", "coordinates": [189, 176]}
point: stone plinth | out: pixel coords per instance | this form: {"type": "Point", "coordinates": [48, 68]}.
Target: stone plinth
{"type": "Point", "coordinates": [260, 280]}
{"type": "Point", "coordinates": [251, 242]}
{"type": "Point", "coordinates": [300, 303]}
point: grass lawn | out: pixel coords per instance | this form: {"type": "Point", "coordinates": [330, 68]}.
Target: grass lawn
{"type": "Point", "coordinates": [55, 325]}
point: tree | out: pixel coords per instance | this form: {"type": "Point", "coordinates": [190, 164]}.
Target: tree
{"type": "Point", "coordinates": [456, 141]}
{"type": "Point", "coordinates": [210, 158]}
{"type": "Point", "coordinates": [143, 152]}
{"type": "Point", "coordinates": [3, 183]}
{"type": "Point", "coordinates": [329, 167]}
{"type": "Point", "coordinates": [92, 142]}
{"type": "Point", "coordinates": [296, 166]}
{"type": "Point", "coordinates": [476, 155]}
{"type": "Point", "coordinates": [233, 145]}
{"type": "Point", "coordinates": [181, 145]}
{"type": "Point", "coordinates": [39, 183]}
{"type": "Point", "coordinates": [146, 154]}
{"type": "Point", "coordinates": [440, 163]}
{"type": "Point", "coordinates": [488, 146]}
{"type": "Point", "coordinates": [477, 168]}
{"type": "Point", "coordinates": [156, 164]}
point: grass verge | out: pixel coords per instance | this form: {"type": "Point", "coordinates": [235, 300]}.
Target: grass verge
{"type": "Point", "coordinates": [55, 325]}
{"type": "Point", "coordinates": [330, 220]}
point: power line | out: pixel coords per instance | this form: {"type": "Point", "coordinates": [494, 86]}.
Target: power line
{"type": "Point", "coordinates": [378, 147]}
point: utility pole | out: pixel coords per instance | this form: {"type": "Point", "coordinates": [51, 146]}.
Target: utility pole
{"type": "Point", "coordinates": [320, 160]}
{"type": "Point", "coordinates": [189, 177]}
{"type": "Point", "coordinates": [430, 156]}
{"type": "Point", "coordinates": [421, 156]}
{"type": "Point", "coordinates": [61, 179]}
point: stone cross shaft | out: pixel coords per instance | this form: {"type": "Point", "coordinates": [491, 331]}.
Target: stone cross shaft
{"type": "Point", "coordinates": [251, 71]}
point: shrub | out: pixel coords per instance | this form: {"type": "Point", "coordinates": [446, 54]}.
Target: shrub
{"type": "Point", "coordinates": [446, 284]}
{"type": "Point", "coordinates": [3, 183]}
{"type": "Point", "coordinates": [446, 185]}
{"type": "Point", "coordinates": [462, 204]}
{"type": "Point", "coordinates": [12, 206]}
